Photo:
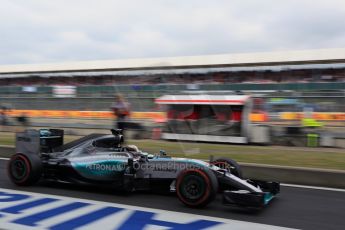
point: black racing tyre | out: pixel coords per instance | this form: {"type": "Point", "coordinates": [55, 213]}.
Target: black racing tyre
{"type": "Point", "coordinates": [196, 187]}
{"type": "Point", "coordinates": [229, 164]}
{"type": "Point", "coordinates": [24, 169]}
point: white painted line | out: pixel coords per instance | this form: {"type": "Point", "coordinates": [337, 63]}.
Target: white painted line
{"type": "Point", "coordinates": [313, 187]}
{"type": "Point", "coordinates": [4, 159]}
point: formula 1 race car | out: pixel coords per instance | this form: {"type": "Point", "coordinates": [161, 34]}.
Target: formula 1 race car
{"type": "Point", "coordinates": [101, 159]}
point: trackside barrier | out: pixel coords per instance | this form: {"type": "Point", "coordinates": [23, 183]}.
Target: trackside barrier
{"type": "Point", "coordinates": [295, 175]}
{"type": "Point", "coordinates": [321, 116]}
{"type": "Point", "coordinates": [161, 116]}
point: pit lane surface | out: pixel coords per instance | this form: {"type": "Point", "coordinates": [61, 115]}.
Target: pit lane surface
{"type": "Point", "coordinates": [301, 208]}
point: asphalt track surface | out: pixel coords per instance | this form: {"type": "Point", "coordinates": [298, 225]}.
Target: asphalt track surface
{"type": "Point", "coordinates": [301, 208]}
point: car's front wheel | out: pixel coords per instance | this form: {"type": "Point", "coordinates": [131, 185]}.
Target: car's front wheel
{"type": "Point", "coordinates": [230, 165]}
{"type": "Point", "coordinates": [24, 169]}
{"type": "Point", "coordinates": [196, 187]}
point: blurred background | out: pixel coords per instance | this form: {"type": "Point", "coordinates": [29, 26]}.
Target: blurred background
{"type": "Point", "coordinates": [290, 100]}
{"type": "Point", "coordinates": [267, 75]}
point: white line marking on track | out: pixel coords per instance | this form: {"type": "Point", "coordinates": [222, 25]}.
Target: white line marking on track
{"type": "Point", "coordinates": [4, 159]}
{"type": "Point", "coordinates": [313, 187]}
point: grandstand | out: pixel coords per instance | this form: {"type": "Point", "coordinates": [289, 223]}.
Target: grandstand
{"type": "Point", "coordinates": [310, 74]}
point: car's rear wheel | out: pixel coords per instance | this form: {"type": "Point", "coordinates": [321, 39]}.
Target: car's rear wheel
{"type": "Point", "coordinates": [196, 187]}
{"type": "Point", "coordinates": [24, 169]}
{"type": "Point", "coordinates": [230, 165]}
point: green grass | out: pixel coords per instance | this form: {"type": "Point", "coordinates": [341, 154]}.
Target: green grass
{"type": "Point", "coordinates": [6, 138]}
{"type": "Point", "coordinates": [274, 155]}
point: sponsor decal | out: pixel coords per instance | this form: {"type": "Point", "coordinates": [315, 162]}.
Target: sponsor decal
{"type": "Point", "coordinates": [100, 168]}
{"type": "Point", "coordinates": [161, 116]}
{"type": "Point", "coordinates": [95, 165]}
{"type": "Point", "coordinates": [105, 167]}
{"type": "Point", "coordinates": [19, 210]}
{"type": "Point", "coordinates": [25, 210]}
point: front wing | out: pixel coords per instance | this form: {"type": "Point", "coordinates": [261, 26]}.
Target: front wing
{"type": "Point", "coordinates": [252, 199]}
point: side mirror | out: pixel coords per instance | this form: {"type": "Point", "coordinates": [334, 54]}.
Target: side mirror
{"type": "Point", "coordinates": [162, 153]}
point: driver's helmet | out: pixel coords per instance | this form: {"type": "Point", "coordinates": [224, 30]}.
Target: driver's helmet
{"type": "Point", "coordinates": [132, 148]}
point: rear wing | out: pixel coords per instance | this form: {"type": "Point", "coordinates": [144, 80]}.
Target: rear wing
{"type": "Point", "coordinates": [37, 141]}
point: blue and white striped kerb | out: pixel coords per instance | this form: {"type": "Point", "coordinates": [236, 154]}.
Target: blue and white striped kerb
{"type": "Point", "coordinates": [24, 210]}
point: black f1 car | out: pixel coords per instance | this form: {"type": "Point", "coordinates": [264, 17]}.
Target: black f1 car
{"type": "Point", "coordinates": [101, 159]}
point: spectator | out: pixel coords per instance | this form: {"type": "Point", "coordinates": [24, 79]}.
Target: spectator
{"type": "Point", "coordinates": [121, 109]}
{"type": "Point", "coordinates": [3, 116]}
